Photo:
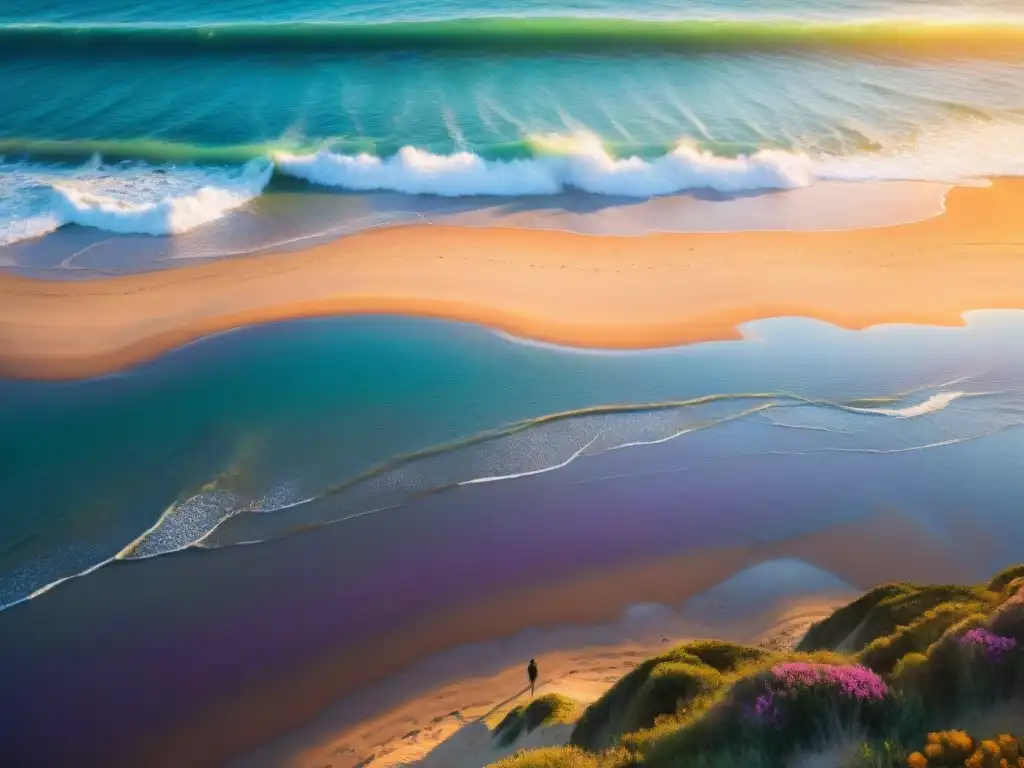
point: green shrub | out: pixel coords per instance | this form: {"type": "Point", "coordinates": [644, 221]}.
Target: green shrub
{"type": "Point", "coordinates": [669, 685]}
{"type": "Point", "coordinates": [600, 724]}
{"type": "Point", "coordinates": [736, 757]}
{"type": "Point", "coordinates": [735, 721]}
{"type": "Point", "coordinates": [883, 610]}
{"type": "Point", "coordinates": [829, 633]}
{"type": "Point", "coordinates": [1014, 591]}
{"type": "Point", "coordinates": [725, 656]}
{"type": "Point", "coordinates": [898, 610]}
{"type": "Point", "coordinates": [555, 757]}
{"type": "Point", "coordinates": [1008, 619]}
{"type": "Point", "coordinates": [876, 754]}
{"type": "Point", "coordinates": [544, 710]}
{"type": "Point", "coordinates": [956, 677]}
{"type": "Point", "coordinates": [908, 670]}
{"type": "Point", "coordinates": [567, 757]}
{"type": "Point", "coordinates": [883, 653]}
{"type": "Point", "coordinates": [1001, 580]}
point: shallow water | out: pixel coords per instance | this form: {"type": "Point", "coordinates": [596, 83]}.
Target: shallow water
{"type": "Point", "coordinates": [252, 435]}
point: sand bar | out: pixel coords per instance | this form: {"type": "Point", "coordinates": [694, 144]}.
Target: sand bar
{"type": "Point", "coordinates": [586, 291]}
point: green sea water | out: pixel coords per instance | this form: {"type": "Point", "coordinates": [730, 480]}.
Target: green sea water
{"type": "Point", "coordinates": [132, 120]}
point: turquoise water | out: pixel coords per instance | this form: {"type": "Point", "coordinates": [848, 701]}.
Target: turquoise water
{"type": "Point", "coordinates": [253, 435]}
{"type": "Point", "coordinates": [142, 120]}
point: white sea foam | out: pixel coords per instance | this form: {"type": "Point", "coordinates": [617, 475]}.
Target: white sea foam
{"type": "Point", "coordinates": [165, 200]}
{"type": "Point", "coordinates": [127, 198]}
{"type": "Point", "coordinates": [416, 172]}
{"type": "Point", "coordinates": [170, 214]}
{"type": "Point", "coordinates": [960, 152]}
{"type": "Point", "coordinates": [933, 404]}
{"type": "Point", "coordinates": [580, 163]}
{"type": "Point", "coordinates": [528, 473]}
{"type": "Point", "coordinates": [957, 153]}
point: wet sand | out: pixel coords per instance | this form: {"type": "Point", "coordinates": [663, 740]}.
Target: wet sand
{"type": "Point", "coordinates": [586, 291]}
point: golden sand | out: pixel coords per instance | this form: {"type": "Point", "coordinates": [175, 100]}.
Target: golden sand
{"type": "Point", "coordinates": [578, 290]}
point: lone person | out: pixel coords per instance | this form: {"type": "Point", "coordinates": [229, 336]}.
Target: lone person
{"type": "Point", "coordinates": [531, 671]}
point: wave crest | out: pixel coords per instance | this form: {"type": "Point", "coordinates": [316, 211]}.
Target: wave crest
{"type": "Point", "coordinates": [171, 198]}
{"type": "Point", "coordinates": [132, 198]}
{"type": "Point", "coordinates": [586, 166]}
{"type": "Point", "coordinates": [526, 35]}
{"type": "Point", "coordinates": [170, 215]}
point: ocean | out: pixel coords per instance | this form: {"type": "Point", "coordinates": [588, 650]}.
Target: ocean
{"type": "Point", "coordinates": [168, 118]}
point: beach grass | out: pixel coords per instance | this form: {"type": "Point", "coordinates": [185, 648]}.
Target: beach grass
{"type": "Point", "coordinates": [885, 681]}
{"type": "Point", "coordinates": [548, 709]}
{"type": "Point", "coordinates": [1002, 580]}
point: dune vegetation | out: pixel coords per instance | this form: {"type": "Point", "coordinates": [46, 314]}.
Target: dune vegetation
{"type": "Point", "coordinates": [895, 678]}
{"type": "Point", "coordinates": [548, 709]}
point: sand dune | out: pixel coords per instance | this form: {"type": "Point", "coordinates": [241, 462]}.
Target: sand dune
{"type": "Point", "coordinates": [451, 726]}
{"type": "Point", "coordinates": [616, 292]}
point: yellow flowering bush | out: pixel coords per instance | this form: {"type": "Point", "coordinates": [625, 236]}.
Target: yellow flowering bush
{"type": "Point", "coordinates": [956, 749]}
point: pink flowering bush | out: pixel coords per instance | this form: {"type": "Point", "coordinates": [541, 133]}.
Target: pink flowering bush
{"type": "Point", "coordinates": [850, 680]}
{"type": "Point", "coordinates": [800, 698]}
{"type": "Point", "coordinates": [994, 647]}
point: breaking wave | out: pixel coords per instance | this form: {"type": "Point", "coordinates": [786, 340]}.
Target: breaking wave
{"type": "Point", "coordinates": [176, 195]}
{"type": "Point", "coordinates": [586, 166]}
{"type": "Point", "coordinates": [127, 198]}
{"type": "Point", "coordinates": [955, 154]}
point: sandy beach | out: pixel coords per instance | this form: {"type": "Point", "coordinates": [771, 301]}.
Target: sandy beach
{"type": "Point", "coordinates": [473, 656]}
{"type": "Point", "coordinates": [452, 726]}
{"type": "Point", "coordinates": [448, 722]}
{"type": "Point", "coordinates": [587, 291]}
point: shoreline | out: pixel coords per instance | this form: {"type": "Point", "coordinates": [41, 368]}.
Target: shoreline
{"type": "Point", "coordinates": [709, 594]}
{"type": "Point", "coordinates": [553, 616]}
{"type": "Point", "coordinates": [248, 682]}
{"type": "Point", "coordinates": [574, 290]}
{"type": "Point", "coordinates": [439, 725]}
